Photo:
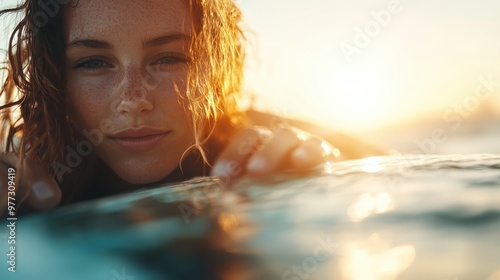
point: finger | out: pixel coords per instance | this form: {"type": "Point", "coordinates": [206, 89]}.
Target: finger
{"type": "Point", "coordinates": [231, 162]}
{"type": "Point", "coordinates": [274, 154]}
{"type": "Point", "coordinates": [9, 162]}
{"type": "Point", "coordinates": [311, 152]}
{"type": "Point", "coordinates": [36, 184]}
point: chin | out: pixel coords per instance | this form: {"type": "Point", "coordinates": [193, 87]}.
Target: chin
{"type": "Point", "coordinates": [144, 173]}
{"type": "Point", "coordinates": [141, 179]}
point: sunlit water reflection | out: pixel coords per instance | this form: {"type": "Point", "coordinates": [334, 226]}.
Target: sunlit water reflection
{"type": "Point", "coordinates": [421, 217]}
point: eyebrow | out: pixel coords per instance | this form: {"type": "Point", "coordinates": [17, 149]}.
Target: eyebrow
{"type": "Point", "coordinates": [89, 43]}
{"type": "Point", "coordinates": [149, 42]}
{"type": "Point", "coordinates": [165, 39]}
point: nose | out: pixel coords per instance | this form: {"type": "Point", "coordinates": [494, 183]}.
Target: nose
{"type": "Point", "coordinates": [133, 97]}
{"type": "Point", "coordinates": [134, 104]}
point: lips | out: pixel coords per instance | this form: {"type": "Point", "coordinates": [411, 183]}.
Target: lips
{"type": "Point", "coordinates": [139, 139]}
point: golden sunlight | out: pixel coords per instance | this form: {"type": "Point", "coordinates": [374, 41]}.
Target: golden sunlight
{"type": "Point", "coordinates": [364, 94]}
{"type": "Point", "coordinates": [394, 71]}
{"type": "Point", "coordinates": [368, 204]}
{"type": "Point", "coordinates": [367, 263]}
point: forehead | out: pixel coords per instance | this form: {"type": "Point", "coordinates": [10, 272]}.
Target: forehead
{"type": "Point", "coordinates": [126, 18]}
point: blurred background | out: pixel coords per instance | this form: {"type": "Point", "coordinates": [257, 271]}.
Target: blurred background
{"type": "Point", "coordinates": [414, 76]}
{"type": "Point", "coordinates": [395, 73]}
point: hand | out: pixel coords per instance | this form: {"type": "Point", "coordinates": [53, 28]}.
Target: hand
{"type": "Point", "coordinates": [257, 151]}
{"type": "Point", "coordinates": [36, 189]}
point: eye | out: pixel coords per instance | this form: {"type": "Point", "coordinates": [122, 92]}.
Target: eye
{"type": "Point", "coordinates": [171, 59]}
{"type": "Point", "coordinates": [92, 64]}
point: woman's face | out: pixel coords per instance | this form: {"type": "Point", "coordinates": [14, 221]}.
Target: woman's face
{"type": "Point", "coordinates": [127, 69]}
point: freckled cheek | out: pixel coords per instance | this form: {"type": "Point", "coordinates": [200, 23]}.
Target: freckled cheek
{"type": "Point", "coordinates": [90, 102]}
{"type": "Point", "coordinates": [173, 89]}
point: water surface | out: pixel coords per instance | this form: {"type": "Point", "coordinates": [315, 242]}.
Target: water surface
{"type": "Point", "coordinates": [399, 217]}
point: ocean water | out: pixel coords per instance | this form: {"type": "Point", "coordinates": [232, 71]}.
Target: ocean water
{"type": "Point", "coordinates": [470, 137]}
{"type": "Point", "coordinates": [395, 217]}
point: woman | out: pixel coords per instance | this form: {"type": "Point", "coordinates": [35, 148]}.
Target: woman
{"type": "Point", "coordinates": [117, 95]}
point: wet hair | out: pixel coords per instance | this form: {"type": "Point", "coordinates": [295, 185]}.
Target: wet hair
{"type": "Point", "coordinates": [35, 118]}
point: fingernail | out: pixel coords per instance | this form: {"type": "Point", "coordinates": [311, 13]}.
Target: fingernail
{"type": "Point", "coordinates": [257, 163]}
{"type": "Point", "coordinates": [301, 154]}
{"type": "Point", "coordinates": [226, 168]}
{"type": "Point", "coordinates": [42, 191]}
{"type": "Point", "coordinates": [220, 169]}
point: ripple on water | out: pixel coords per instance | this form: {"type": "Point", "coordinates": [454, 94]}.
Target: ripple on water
{"type": "Point", "coordinates": [396, 217]}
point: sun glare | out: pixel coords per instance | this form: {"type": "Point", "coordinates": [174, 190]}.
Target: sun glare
{"type": "Point", "coordinates": [364, 94]}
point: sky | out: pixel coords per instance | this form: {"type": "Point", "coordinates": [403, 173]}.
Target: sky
{"type": "Point", "coordinates": [361, 65]}
{"type": "Point", "coordinates": [426, 58]}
